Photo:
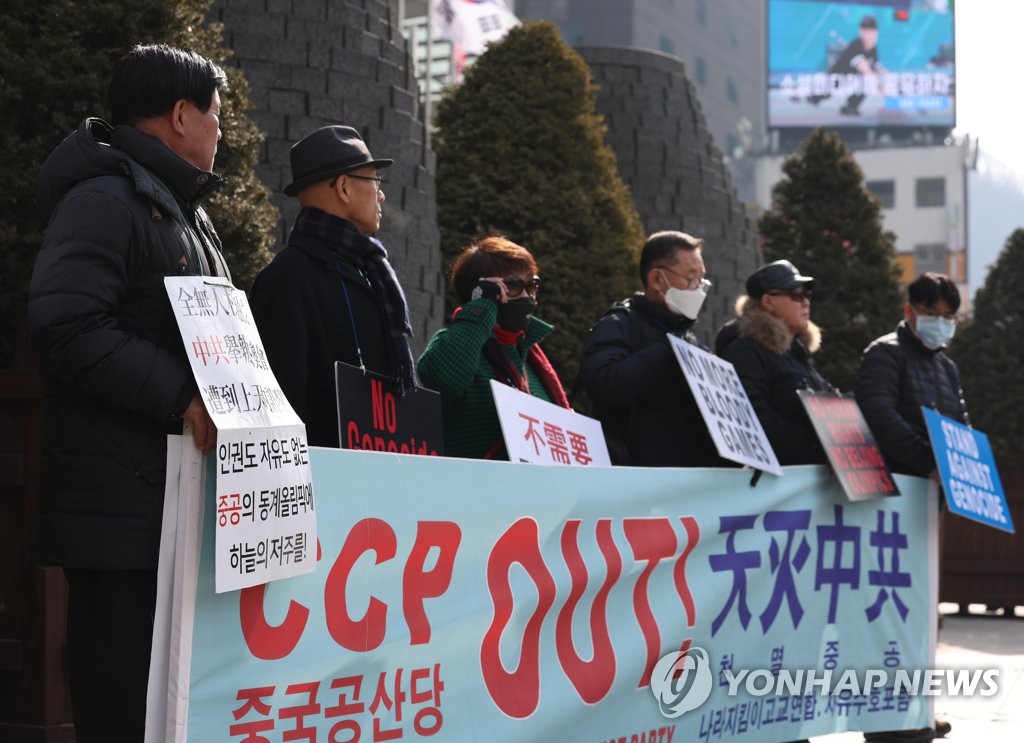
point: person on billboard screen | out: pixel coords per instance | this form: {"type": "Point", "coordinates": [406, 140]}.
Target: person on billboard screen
{"type": "Point", "coordinates": [856, 69]}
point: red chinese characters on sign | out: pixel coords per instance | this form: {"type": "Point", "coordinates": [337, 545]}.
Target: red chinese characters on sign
{"type": "Point", "coordinates": [563, 446]}
{"type": "Point", "coordinates": [229, 349]}
{"type": "Point", "coordinates": [392, 698]}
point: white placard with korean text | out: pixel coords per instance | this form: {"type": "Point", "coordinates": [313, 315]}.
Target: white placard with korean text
{"type": "Point", "coordinates": [542, 433]}
{"type": "Point", "coordinates": [265, 516]}
{"type": "Point", "coordinates": [728, 414]}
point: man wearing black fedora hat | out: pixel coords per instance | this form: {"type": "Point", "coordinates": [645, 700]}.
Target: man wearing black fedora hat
{"type": "Point", "coordinates": [331, 294]}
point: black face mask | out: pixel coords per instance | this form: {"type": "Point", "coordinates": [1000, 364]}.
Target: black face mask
{"type": "Point", "coordinates": [515, 314]}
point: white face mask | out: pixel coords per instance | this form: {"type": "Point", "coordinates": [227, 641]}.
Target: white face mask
{"type": "Point", "coordinates": [935, 331]}
{"type": "Point", "coordinates": [685, 302]}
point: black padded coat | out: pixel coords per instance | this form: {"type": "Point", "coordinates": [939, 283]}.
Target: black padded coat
{"type": "Point", "coordinates": [123, 212]}
{"type": "Point", "coordinates": [645, 406]}
{"type": "Point", "coordinates": [773, 365]}
{"type": "Point", "coordinates": [898, 375]}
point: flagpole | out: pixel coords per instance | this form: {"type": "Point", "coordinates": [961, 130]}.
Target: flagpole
{"type": "Point", "coordinates": [428, 69]}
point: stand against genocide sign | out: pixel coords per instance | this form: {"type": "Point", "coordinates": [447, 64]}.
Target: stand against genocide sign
{"type": "Point", "coordinates": [266, 525]}
{"type": "Point", "coordinates": [372, 418]}
{"type": "Point", "coordinates": [728, 414]}
{"type": "Point", "coordinates": [852, 451]}
{"type": "Point", "coordinates": [970, 479]}
{"type": "Point", "coordinates": [540, 432]}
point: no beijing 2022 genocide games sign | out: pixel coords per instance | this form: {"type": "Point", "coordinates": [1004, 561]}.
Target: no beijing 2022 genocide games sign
{"type": "Point", "coordinates": [851, 449]}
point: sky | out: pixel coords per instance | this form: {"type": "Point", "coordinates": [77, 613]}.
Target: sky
{"type": "Point", "coordinates": [990, 107]}
{"type": "Point", "coordinates": [990, 92]}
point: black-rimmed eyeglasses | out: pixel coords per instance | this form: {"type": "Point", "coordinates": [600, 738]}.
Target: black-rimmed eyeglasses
{"type": "Point", "coordinates": [377, 179]}
{"type": "Point", "coordinates": [516, 285]}
{"type": "Point", "coordinates": [703, 284]}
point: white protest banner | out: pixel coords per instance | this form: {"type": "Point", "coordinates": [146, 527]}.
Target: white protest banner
{"type": "Point", "coordinates": [539, 432]}
{"type": "Point", "coordinates": [728, 414]}
{"type": "Point", "coordinates": [266, 520]}
{"type": "Point", "coordinates": [467, 600]}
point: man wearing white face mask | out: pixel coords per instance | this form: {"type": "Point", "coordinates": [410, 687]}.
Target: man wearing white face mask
{"type": "Point", "coordinates": [899, 373]}
{"type": "Point", "coordinates": [906, 369]}
{"type": "Point", "coordinates": [629, 369]}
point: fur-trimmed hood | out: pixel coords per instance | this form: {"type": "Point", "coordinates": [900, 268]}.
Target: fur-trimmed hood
{"type": "Point", "coordinates": [769, 331]}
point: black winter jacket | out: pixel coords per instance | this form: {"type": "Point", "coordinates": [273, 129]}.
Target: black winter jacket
{"type": "Point", "coordinates": [898, 375]}
{"type": "Point", "coordinates": [645, 406]}
{"type": "Point", "coordinates": [311, 305]}
{"type": "Point", "coordinates": [772, 366]}
{"type": "Point", "coordinates": [123, 214]}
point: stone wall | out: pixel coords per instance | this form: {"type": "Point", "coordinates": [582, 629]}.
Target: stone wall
{"type": "Point", "coordinates": [674, 169]}
{"type": "Point", "coordinates": [311, 63]}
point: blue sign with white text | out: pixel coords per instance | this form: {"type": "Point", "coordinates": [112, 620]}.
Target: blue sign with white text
{"type": "Point", "coordinates": [968, 469]}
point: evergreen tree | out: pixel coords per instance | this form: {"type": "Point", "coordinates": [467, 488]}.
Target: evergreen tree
{"type": "Point", "coordinates": [990, 355]}
{"type": "Point", "coordinates": [58, 58]}
{"type": "Point", "coordinates": [521, 152]}
{"type": "Point", "coordinates": [825, 222]}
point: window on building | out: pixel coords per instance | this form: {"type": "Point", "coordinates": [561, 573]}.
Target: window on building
{"type": "Point", "coordinates": [702, 72]}
{"type": "Point", "coordinates": [730, 91]}
{"type": "Point", "coordinates": [930, 257]}
{"type": "Point", "coordinates": [931, 192]}
{"type": "Point", "coordinates": [732, 146]}
{"type": "Point", "coordinates": [702, 12]}
{"type": "Point", "coordinates": [665, 44]}
{"type": "Point", "coordinates": [884, 191]}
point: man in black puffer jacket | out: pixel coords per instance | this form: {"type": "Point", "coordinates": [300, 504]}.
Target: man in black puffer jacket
{"type": "Point", "coordinates": [771, 345]}
{"type": "Point", "coordinates": [122, 204]}
{"type": "Point", "coordinates": [630, 371]}
{"type": "Point", "coordinates": [899, 373]}
{"type": "Point", "coordinates": [906, 369]}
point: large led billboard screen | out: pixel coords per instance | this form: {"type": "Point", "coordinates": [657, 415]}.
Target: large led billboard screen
{"type": "Point", "coordinates": [886, 63]}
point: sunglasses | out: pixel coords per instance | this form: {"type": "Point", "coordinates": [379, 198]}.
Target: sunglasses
{"type": "Point", "coordinates": [516, 285]}
{"type": "Point", "coordinates": [797, 295]}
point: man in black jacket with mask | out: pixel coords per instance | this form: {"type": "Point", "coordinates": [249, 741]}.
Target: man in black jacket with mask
{"type": "Point", "coordinates": [123, 208]}
{"type": "Point", "coordinates": [907, 369]}
{"type": "Point", "coordinates": [630, 371]}
{"type": "Point", "coordinates": [898, 374]}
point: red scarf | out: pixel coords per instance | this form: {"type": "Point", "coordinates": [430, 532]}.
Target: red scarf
{"type": "Point", "coordinates": [536, 359]}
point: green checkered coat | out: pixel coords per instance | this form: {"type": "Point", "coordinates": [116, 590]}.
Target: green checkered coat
{"type": "Point", "coordinates": [453, 364]}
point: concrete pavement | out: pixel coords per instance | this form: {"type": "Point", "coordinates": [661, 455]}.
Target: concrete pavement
{"type": "Point", "coordinates": [977, 642]}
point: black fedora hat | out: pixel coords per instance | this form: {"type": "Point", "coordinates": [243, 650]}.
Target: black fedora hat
{"type": "Point", "coordinates": [327, 152]}
{"type": "Point", "coordinates": [777, 276]}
